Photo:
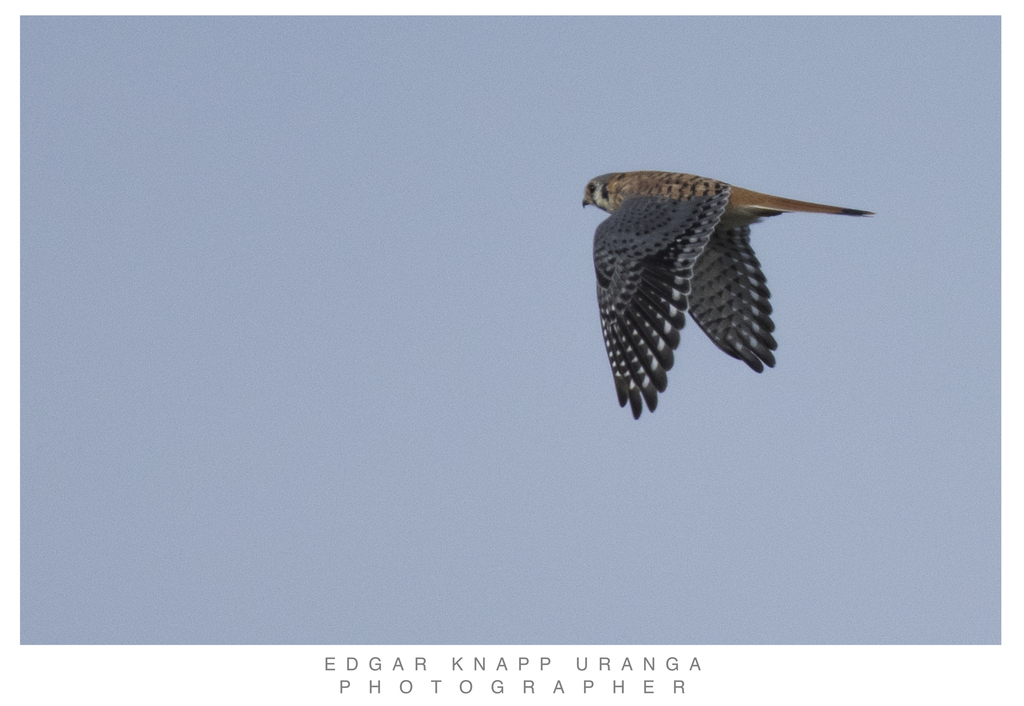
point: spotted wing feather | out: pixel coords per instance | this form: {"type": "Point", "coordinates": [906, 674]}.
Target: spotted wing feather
{"type": "Point", "coordinates": [644, 258]}
{"type": "Point", "coordinates": [729, 298]}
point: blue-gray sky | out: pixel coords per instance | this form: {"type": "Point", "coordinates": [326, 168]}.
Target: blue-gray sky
{"type": "Point", "coordinates": [311, 351]}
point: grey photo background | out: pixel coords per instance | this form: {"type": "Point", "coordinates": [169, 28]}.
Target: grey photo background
{"type": "Point", "coordinates": [311, 352]}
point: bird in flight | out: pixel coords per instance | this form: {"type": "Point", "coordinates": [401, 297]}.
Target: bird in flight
{"type": "Point", "coordinates": [676, 243]}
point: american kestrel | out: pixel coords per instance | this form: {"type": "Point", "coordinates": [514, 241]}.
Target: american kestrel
{"type": "Point", "coordinates": [677, 243]}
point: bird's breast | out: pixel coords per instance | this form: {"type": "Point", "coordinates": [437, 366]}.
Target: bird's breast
{"type": "Point", "coordinates": [739, 215]}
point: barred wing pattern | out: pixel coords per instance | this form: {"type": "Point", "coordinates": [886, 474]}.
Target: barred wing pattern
{"type": "Point", "coordinates": [644, 258]}
{"type": "Point", "coordinates": [729, 299]}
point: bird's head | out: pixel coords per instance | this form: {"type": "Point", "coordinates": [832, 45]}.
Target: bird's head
{"type": "Point", "coordinates": [596, 192]}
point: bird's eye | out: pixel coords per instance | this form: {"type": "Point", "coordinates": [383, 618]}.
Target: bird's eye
{"type": "Point", "coordinates": [590, 188]}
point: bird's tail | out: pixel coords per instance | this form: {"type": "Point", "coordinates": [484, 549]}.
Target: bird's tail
{"type": "Point", "coordinates": [767, 205]}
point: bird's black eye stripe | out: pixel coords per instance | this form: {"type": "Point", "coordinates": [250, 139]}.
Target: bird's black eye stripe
{"type": "Point", "coordinates": [604, 192]}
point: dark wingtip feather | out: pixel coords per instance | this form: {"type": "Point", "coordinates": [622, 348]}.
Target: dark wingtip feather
{"type": "Point", "coordinates": [650, 396]}
{"type": "Point", "coordinates": [635, 402]}
{"type": "Point", "coordinates": [754, 362]}
{"type": "Point", "coordinates": [855, 212]}
{"type": "Point", "coordinates": [621, 390]}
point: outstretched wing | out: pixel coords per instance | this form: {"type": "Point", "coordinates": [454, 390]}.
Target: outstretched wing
{"type": "Point", "coordinates": [644, 255]}
{"type": "Point", "coordinates": [729, 299]}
